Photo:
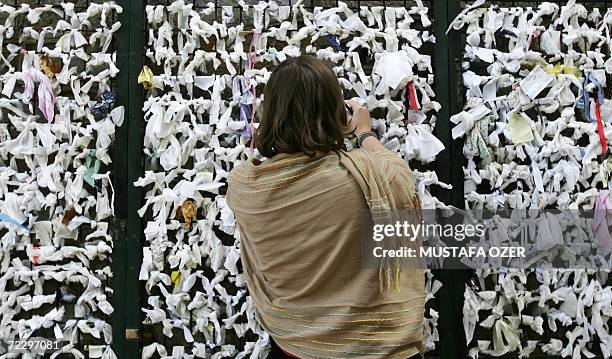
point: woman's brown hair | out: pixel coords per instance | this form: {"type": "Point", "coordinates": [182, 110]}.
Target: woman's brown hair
{"type": "Point", "coordinates": [303, 109]}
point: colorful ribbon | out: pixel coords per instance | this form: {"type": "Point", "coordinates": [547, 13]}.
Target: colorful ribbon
{"type": "Point", "coordinates": [46, 97]}
{"type": "Point", "coordinates": [188, 211]}
{"type": "Point", "coordinates": [102, 108]}
{"type": "Point", "coordinates": [68, 216]}
{"type": "Point", "coordinates": [93, 166]}
{"type": "Point", "coordinates": [584, 103]}
{"type": "Point", "coordinates": [49, 65]}
{"type": "Point", "coordinates": [559, 69]}
{"type": "Point", "coordinates": [600, 129]}
{"type": "Point", "coordinates": [245, 115]}
{"type": "Point", "coordinates": [145, 78]}
{"type": "Point", "coordinates": [532, 37]}
{"type": "Point", "coordinates": [414, 106]}
{"type": "Point", "coordinates": [335, 43]}
{"type": "Point", "coordinates": [175, 277]}
{"type": "Point", "coordinates": [272, 51]}
{"type": "Point", "coordinates": [35, 257]}
{"type": "Point", "coordinates": [9, 219]}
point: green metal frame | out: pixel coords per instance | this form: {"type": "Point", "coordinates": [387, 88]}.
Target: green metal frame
{"type": "Point", "coordinates": [128, 166]}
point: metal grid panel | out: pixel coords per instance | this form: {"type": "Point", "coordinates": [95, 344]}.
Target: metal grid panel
{"type": "Point", "coordinates": [30, 44]}
{"type": "Point", "coordinates": [150, 332]}
{"type": "Point", "coordinates": [458, 40]}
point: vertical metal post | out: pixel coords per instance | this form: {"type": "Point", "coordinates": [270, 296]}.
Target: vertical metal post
{"type": "Point", "coordinates": [441, 84]}
{"type": "Point", "coordinates": [135, 170]}
{"type": "Point", "coordinates": [127, 167]}
{"type": "Point", "coordinates": [119, 175]}
{"type": "Point", "coordinates": [448, 86]}
{"type": "Point", "coordinates": [457, 161]}
{"type": "Point", "coordinates": [454, 58]}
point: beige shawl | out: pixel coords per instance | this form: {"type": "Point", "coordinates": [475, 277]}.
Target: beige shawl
{"type": "Point", "coordinates": [300, 226]}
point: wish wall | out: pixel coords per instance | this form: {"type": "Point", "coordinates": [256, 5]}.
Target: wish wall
{"type": "Point", "coordinates": [535, 127]}
{"type": "Point", "coordinates": [206, 68]}
{"type": "Point", "coordinates": [57, 124]}
{"type": "Point", "coordinates": [537, 111]}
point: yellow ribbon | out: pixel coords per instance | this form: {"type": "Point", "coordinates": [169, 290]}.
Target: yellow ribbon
{"type": "Point", "coordinates": [559, 69]}
{"type": "Point", "coordinates": [175, 277]}
{"type": "Point", "coordinates": [146, 78]}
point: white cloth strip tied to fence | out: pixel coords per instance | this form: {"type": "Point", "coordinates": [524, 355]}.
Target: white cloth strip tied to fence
{"type": "Point", "coordinates": [206, 69]}
{"type": "Point", "coordinates": [57, 124]}
{"type": "Point", "coordinates": [536, 125]}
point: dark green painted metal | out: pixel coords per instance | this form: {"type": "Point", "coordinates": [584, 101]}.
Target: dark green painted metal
{"type": "Point", "coordinates": [119, 177]}
{"type": "Point", "coordinates": [441, 69]}
{"type": "Point", "coordinates": [457, 93]}
{"type": "Point", "coordinates": [445, 347]}
{"type": "Point", "coordinates": [455, 84]}
{"type": "Point", "coordinates": [127, 167]}
{"type": "Point", "coordinates": [135, 170]}
{"type": "Point", "coordinates": [449, 170]}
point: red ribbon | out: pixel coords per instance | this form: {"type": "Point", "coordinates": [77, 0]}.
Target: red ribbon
{"type": "Point", "coordinates": [412, 97]}
{"type": "Point", "coordinates": [35, 258]}
{"type": "Point", "coordinates": [600, 129]}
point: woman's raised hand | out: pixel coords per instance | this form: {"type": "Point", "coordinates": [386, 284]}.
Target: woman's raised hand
{"type": "Point", "coordinates": [360, 120]}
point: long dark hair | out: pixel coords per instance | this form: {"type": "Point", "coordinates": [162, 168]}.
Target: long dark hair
{"type": "Point", "coordinates": [303, 109]}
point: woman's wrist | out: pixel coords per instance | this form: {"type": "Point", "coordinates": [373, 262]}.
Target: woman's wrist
{"type": "Point", "coordinates": [368, 140]}
{"type": "Point", "coordinates": [372, 143]}
{"type": "Point", "coordinates": [363, 135]}
{"type": "Point", "coordinates": [360, 130]}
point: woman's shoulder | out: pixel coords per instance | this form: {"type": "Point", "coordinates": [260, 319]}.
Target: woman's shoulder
{"type": "Point", "coordinates": [381, 163]}
{"type": "Point", "coordinates": [382, 159]}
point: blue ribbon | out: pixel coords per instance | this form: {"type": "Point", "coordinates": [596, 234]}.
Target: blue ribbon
{"type": "Point", "coordinates": [245, 115]}
{"type": "Point", "coordinates": [584, 102]}
{"type": "Point", "coordinates": [9, 219]}
{"type": "Point", "coordinates": [272, 51]}
{"type": "Point", "coordinates": [332, 39]}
